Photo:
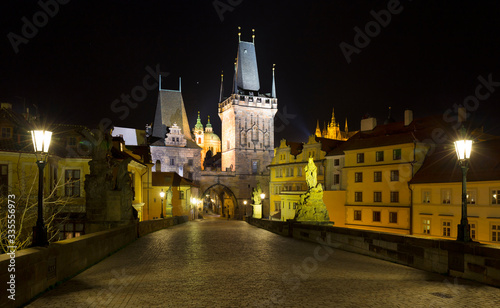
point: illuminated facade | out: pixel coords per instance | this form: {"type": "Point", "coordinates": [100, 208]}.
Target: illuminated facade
{"type": "Point", "coordinates": [437, 194]}
{"type": "Point", "coordinates": [288, 180]}
{"type": "Point", "coordinates": [206, 139]}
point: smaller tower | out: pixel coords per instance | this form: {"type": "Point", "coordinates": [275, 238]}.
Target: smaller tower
{"type": "Point", "coordinates": [198, 132]}
{"type": "Point", "coordinates": [318, 130]}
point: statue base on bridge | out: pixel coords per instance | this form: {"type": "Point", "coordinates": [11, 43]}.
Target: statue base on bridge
{"type": "Point", "coordinates": [257, 211]}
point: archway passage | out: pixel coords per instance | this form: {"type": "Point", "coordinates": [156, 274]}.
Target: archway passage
{"type": "Point", "coordinates": [220, 201]}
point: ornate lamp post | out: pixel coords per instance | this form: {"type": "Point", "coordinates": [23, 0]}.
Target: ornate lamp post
{"type": "Point", "coordinates": [463, 148]}
{"type": "Point", "coordinates": [162, 195]}
{"type": "Point", "coordinates": [41, 143]}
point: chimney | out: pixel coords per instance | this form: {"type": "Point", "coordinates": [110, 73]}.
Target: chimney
{"type": "Point", "coordinates": [462, 114]}
{"type": "Point", "coordinates": [368, 124]}
{"type": "Point", "coordinates": [408, 117]}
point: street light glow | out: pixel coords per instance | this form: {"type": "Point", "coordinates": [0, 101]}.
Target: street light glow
{"type": "Point", "coordinates": [162, 194]}
{"type": "Point", "coordinates": [463, 148]}
{"type": "Point", "coordinates": [41, 140]}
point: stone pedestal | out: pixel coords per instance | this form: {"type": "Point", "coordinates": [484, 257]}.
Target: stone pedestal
{"type": "Point", "coordinates": [257, 211]}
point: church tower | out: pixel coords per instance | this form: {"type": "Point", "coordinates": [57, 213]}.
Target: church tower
{"type": "Point", "coordinates": [247, 117]}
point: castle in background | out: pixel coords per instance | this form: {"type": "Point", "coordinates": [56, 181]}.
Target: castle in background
{"type": "Point", "coordinates": [332, 130]}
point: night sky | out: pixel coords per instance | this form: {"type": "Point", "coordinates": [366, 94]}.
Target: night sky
{"type": "Point", "coordinates": [427, 58]}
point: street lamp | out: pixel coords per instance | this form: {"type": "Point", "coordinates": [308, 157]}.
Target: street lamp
{"type": "Point", "coordinates": [463, 148]}
{"type": "Point", "coordinates": [262, 196]}
{"type": "Point", "coordinates": [41, 143]}
{"type": "Point", "coordinates": [162, 195]}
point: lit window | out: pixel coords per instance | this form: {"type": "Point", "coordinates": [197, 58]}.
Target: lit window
{"type": "Point", "coordinates": [394, 175]}
{"type": "Point", "coordinates": [376, 216]}
{"type": "Point", "coordinates": [379, 156]}
{"type": "Point", "coordinates": [495, 198]}
{"type": "Point", "coordinates": [394, 196]}
{"type": "Point", "coordinates": [471, 197]}
{"type": "Point", "coordinates": [446, 196]}
{"type": "Point", "coordinates": [377, 176]}
{"type": "Point", "coordinates": [495, 233]}
{"type": "Point", "coordinates": [426, 196]}
{"type": "Point", "coordinates": [426, 226]}
{"type": "Point", "coordinates": [377, 196]}
{"type": "Point", "coordinates": [396, 154]}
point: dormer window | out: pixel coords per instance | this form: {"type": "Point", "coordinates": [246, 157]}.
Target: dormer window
{"type": "Point", "coordinates": [6, 132]}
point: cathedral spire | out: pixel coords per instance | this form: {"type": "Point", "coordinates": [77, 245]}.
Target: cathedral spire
{"type": "Point", "coordinates": [235, 81]}
{"type": "Point", "coordinates": [318, 130]}
{"type": "Point", "coordinates": [273, 92]}
{"type": "Point", "coordinates": [332, 123]}
{"type": "Point", "coordinates": [221, 86]}
{"type": "Point", "coordinates": [346, 130]}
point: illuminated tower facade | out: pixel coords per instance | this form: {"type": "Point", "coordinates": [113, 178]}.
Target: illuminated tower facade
{"type": "Point", "coordinates": [247, 118]}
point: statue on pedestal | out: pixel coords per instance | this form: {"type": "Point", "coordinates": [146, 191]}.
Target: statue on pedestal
{"type": "Point", "coordinates": [256, 194]}
{"type": "Point", "coordinates": [311, 207]}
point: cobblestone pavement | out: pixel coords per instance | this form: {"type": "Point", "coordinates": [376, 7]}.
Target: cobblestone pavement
{"type": "Point", "coordinates": [220, 263]}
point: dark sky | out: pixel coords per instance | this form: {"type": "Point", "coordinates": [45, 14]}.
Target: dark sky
{"type": "Point", "coordinates": [427, 58]}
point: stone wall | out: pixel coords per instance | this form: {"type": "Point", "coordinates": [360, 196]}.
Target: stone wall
{"type": "Point", "coordinates": [472, 261]}
{"type": "Point", "coordinates": [38, 269]}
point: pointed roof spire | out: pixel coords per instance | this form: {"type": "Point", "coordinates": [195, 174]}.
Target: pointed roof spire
{"type": "Point", "coordinates": [198, 125]}
{"type": "Point", "coordinates": [235, 83]}
{"type": "Point", "coordinates": [239, 34]}
{"type": "Point", "coordinates": [389, 118]}
{"type": "Point", "coordinates": [208, 124]}
{"type": "Point", "coordinates": [253, 36]}
{"type": "Point", "coordinates": [273, 91]}
{"type": "Point", "coordinates": [333, 117]}
{"type": "Point", "coordinates": [318, 130]}
{"type": "Point", "coordinates": [208, 127]}
{"type": "Point", "coordinates": [345, 129]}
{"type": "Point", "coordinates": [221, 86]}
{"type": "Point", "coordinates": [180, 84]}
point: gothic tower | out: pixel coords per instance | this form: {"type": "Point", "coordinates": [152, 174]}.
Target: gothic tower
{"type": "Point", "coordinates": [247, 118]}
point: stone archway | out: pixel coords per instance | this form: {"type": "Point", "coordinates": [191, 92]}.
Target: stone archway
{"type": "Point", "coordinates": [220, 200]}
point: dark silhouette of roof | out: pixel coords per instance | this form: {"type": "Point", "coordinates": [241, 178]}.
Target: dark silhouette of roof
{"type": "Point", "coordinates": [441, 165]}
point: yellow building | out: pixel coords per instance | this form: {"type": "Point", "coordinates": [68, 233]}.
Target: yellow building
{"type": "Point", "coordinates": [379, 163]}
{"type": "Point", "coordinates": [437, 193]}
{"type": "Point", "coordinates": [287, 173]}
{"type": "Point", "coordinates": [185, 196]}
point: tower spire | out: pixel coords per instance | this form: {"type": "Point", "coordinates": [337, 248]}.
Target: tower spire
{"type": "Point", "coordinates": [180, 84]}
{"type": "Point", "coordinates": [333, 117]}
{"type": "Point", "coordinates": [235, 84]}
{"type": "Point", "coordinates": [273, 93]}
{"type": "Point", "coordinates": [221, 86]}
{"type": "Point", "coordinates": [253, 36]}
{"type": "Point", "coordinates": [239, 34]}
{"type": "Point", "coordinates": [346, 130]}
{"type": "Point", "coordinates": [318, 130]}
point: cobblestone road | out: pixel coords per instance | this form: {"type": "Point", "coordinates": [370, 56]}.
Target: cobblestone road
{"type": "Point", "coordinates": [220, 263]}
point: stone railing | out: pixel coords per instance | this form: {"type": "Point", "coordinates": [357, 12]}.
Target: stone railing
{"type": "Point", "coordinates": [40, 268]}
{"type": "Point", "coordinates": [472, 261]}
